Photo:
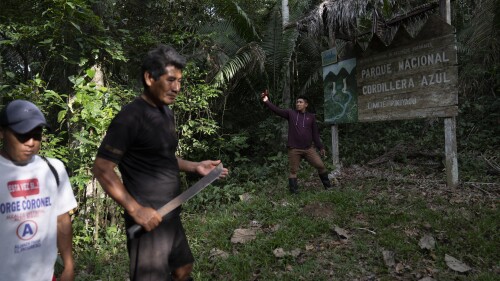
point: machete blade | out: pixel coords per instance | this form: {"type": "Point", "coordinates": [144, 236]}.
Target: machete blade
{"type": "Point", "coordinates": [135, 230]}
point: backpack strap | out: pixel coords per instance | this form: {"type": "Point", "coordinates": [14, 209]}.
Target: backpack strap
{"type": "Point", "coordinates": [52, 169]}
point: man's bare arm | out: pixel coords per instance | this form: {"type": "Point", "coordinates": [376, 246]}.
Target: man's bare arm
{"type": "Point", "coordinates": [202, 168]}
{"type": "Point", "coordinates": [65, 246]}
{"type": "Point", "coordinates": [104, 171]}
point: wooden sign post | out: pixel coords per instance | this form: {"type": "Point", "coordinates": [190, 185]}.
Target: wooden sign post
{"type": "Point", "coordinates": [450, 123]}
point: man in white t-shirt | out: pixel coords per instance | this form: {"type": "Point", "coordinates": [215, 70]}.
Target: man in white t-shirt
{"type": "Point", "coordinates": [35, 200]}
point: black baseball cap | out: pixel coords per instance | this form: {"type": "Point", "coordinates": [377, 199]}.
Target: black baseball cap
{"type": "Point", "coordinates": [22, 116]}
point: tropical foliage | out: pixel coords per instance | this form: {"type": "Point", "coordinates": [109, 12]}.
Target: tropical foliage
{"type": "Point", "coordinates": [78, 61]}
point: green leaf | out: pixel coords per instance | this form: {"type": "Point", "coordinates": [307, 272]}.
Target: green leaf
{"type": "Point", "coordinates": [84, 140]}
{"type": "Point", "coordinates": [47, 41]}
{"type": "Point", "coordinates": [90, 73]}
{"type": "Point", "coordinates": [6, 42]}
{"type": "Point", "coordinates": [76, 26]}
{"type": "Point", "coordinates": [61, 115]}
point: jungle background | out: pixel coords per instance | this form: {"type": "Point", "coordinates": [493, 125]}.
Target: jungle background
{"type": "Point", "coordinates": [79, 61]}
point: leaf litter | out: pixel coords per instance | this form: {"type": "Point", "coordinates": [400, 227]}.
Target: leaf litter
{"type": "Point", "coordinates": [399, 187]}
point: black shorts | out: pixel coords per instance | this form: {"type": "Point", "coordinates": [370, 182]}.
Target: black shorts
{"type": "Point", "coordinates": [156, 254]}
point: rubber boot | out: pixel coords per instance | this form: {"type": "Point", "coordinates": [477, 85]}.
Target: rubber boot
{"type": "Point", "coordinates": [325, 180]}
{"type": "Point", "coordinates": [292, 184]}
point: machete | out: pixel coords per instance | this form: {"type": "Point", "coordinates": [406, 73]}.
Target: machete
{"type": "Point", "coordinates": [135, 230]}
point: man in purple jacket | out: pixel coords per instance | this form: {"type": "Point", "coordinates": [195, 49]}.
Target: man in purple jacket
{"type": "Point", "coordinates": [302, 133]}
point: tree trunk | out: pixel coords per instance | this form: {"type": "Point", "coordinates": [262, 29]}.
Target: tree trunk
{"type": "Point", "coordinates": [285, 11]}
{"type": "Point", "coordinates": [285, 14]}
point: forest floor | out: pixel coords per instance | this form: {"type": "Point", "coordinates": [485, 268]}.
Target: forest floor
{"type": "Point", "coordinates": [385, 221]}
{"type": "Point", "coordinates": [380, 222]}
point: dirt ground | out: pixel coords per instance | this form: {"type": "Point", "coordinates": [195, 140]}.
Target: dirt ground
{"type": "Point", "coordinates": [398, 181]}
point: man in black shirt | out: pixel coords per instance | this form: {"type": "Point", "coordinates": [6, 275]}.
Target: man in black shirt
{"type": "Point", "coordinates": [142, 141]}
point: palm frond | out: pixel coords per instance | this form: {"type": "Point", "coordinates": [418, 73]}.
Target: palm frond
{"type": "Point", "coordinates": [311, 80]}
{"type": "Point", "coordinates": [270, 44]}
{"type": "Point", "coordinates": [482, 31]}
{"type": "Point", "coordinates": [347, 19]}
{"type": "Point", "coordinates": [249, 58]}
{"type": "Point", "coordinates": [298, 8]}
{"type": "Point", "coordinates": [335, 18]}
{"type": "Point", "coordinates": [224, 35]}
{"type": "Point", "coordinates": [242, 22]}
{"type": "Point", "coordinates": [279, 46]}
{"type": "Point", "coordinates": [479, 46]}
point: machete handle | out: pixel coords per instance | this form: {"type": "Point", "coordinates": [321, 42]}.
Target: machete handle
{"type": "Point", "coordinates": [134, 231]}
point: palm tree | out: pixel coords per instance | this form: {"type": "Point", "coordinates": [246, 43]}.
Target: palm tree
{"type": "Point", "coordinates": [250, 52]}
{"type": "Point", "coordinates": [247, 58]}
{"type": "Point", "coordinates": [479, 47]}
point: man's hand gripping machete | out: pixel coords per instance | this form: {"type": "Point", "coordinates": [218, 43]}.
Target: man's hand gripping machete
{"type": "Point", "coordinates": [135, 230]}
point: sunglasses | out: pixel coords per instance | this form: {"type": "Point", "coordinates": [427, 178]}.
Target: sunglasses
{"type": "Point", "coordinates": [35, 134]}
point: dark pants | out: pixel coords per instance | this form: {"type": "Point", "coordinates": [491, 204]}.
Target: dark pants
{"type": "Point", "coordinates": [156, 254]}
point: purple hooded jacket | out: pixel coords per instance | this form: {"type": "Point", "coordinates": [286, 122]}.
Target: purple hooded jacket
{"type": "Point", "coordinates": [302, 128]}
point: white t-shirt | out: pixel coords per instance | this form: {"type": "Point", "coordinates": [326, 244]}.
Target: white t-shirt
{"type": "Point", "coordinates": [30, 202]}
